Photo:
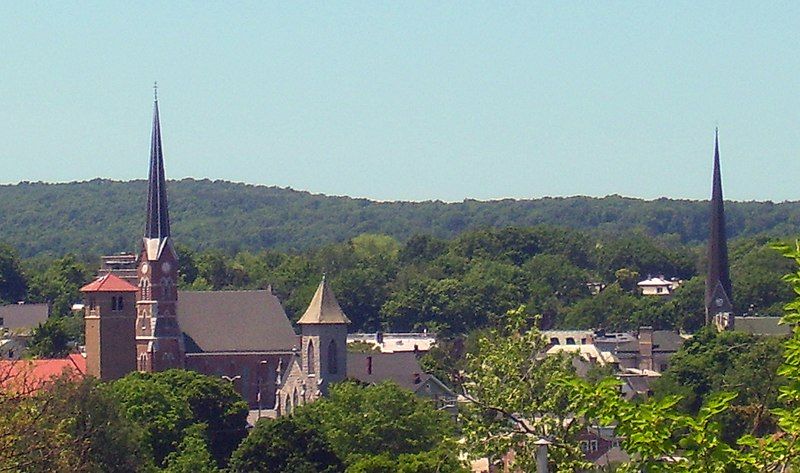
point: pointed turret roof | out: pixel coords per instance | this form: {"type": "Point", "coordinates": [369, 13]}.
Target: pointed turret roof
{"type": "Point", "coordinates": [324, 308]}
{"type": "Point", "coordinates": [718, 281]}
{"type": "Point", "coordinates": [157, 212]}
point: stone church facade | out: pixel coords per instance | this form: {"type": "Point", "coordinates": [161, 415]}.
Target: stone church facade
{"type": "Point", "coordinates": [137, 319]}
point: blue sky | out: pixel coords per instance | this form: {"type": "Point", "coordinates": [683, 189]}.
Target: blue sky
{"type": "Point", "coordinates": [402, 100]}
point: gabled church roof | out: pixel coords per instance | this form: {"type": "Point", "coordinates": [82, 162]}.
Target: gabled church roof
{"type": "Point", "coordinates": [324, 308]}
{"type": "Point", "coordinates": [718, 276]}
{"type": "Point", "coordinates": [234, 322]}
{"type": "Point", "coordinates": [157, 226]}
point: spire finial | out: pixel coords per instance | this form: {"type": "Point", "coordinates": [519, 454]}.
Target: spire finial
{"type": "Point", "coordinates": [155, 91]}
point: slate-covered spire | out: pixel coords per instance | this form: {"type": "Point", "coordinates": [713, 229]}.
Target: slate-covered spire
{"type": "Point", "coordinates": [719, 297]}
{"type": "Point", "coordinates": [157, 213]}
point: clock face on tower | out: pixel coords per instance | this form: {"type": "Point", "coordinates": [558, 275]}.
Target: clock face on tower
{"type": "Point", "coordinates": [719, 302]}
{"type": "Point", "coordinates": [166, 267]}
{"type": "Point", "coordinates": [145, 268]}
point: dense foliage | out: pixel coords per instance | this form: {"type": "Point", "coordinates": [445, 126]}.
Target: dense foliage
{"type": "Point", "coordinates": [175, 404]}
{"type": "Point", "coordinates": [358, 429]}
{"type": "Point", "coordinates": [448, 286]}
{"type": "Point", "coordinates": [102, 216]}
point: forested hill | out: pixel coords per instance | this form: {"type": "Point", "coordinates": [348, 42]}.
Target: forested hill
{"type": "Point", "coordinates": [102, 216]}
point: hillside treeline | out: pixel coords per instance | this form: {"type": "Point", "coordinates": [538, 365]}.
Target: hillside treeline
{"type": "Point", "coordinates": [102, 216]}
{"type": "Point", "coordinates": [460, 284]}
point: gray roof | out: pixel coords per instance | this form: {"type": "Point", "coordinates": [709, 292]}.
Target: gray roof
{"type": "Point", "coordinates": [400, 367]}
{"type": "Point", "coordinates": [234, 321]}
{"type": "Point", "coordinates": [663, 341]}
{"type": "Point", "coordinates": [23, 316]}
{"type": "Point", "coordinates": [761, 326]}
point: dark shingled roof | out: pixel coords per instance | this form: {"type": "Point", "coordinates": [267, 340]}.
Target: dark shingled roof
{"type": "Point", "coordinates": [761, 326]}
{"type": "Point", "coordinates": [234, 321]}
{"type": "Point", "coordinates": [23, 316]}
{"type": "Point", "coordinates": [400, 367]}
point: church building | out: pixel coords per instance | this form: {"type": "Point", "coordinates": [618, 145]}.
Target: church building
{"type": "Point", "coordinates": [137, 319]}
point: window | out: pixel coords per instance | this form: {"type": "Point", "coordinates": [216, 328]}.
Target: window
{"type": "Point", "coordinates": [333, 363]}
{"type": "Point", "coordinates": [116, 304]}
{"type": "Point", "coordinates": [310, 358]}
{"type": "Point", "coordinates": [554, 340]}
{"type": "Point", "coordinates": [1, 321]}
{"type": "Point", "coordinates": [570, 341]}
{"type": "Point", "coordinates": [659, 290]}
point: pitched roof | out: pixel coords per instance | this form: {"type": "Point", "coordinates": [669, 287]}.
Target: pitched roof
{"type": "Point", "coordinates": [30, 375]}
{"type": "Point", "coordinates": [16, 316]}
{"type": "Point", "coordinates": [234, 321]}
{"type": "Point", "coordinates": [324, 308]}
{"type": "Point", "coordinates": [157, 226]}
{"type": "Point", "coordinates": [401, 367]}
{"type": "Point", "coordinates": [761, 326]}
{"type": "Point", "coordinates": [109, 283]}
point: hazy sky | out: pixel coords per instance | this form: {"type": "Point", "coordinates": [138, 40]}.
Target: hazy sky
{"type": "Point", "coordinates": [401, 100]}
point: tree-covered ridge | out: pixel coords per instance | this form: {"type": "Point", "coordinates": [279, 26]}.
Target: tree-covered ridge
{"type": "Point", "coordinates": [102, 216]}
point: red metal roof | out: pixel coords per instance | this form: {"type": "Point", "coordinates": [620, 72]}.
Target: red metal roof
{"type": "Point", "coordinates": [109, 283]}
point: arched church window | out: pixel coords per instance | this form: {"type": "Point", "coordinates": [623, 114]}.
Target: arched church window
{"type": "Point", "coordinates": [310, 358]}
{"type": "Point", "coordinates": [333, 362]}
{"type": "Point", "coordinates": [288, 405]}
{"type": "Point", "coordinates": [295, 398]}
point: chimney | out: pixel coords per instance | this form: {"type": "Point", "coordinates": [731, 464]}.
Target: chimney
{"type": "Point", "coordinates": [646, 348]}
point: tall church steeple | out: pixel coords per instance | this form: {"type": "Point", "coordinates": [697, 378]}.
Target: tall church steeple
{"type": "Point", "coordinates": [157, 226]}
{"type": "Point", "coordinates": [159, 342]}
{"type": "Point", "coordinates": [719, 296]}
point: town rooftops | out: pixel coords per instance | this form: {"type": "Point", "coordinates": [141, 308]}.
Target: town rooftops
{"type": "Point", "coordinates": [324, 308]}
{"type": "Point", "coordinates": [234, 321]}
{"type": "Point", "coordinates": [109, 283]}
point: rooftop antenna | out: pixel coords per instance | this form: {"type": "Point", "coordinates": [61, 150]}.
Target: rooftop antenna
{"type": "Point", "coordinates": [155, 91]}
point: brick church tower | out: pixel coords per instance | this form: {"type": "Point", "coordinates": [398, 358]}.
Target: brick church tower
{"type": "Point", "coordinates": [719, 297]}
{"type": "Point", "coordinates": [159, 343]}
{"type": "Point", "coordinates": [110, 313]}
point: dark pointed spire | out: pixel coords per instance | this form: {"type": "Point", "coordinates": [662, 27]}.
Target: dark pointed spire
{"type": "Point", "coordinates": [719, 297]}
{"type": "Point", "coordinates": [157, 211]}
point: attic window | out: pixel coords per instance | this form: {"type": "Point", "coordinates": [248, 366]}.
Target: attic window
{"type": "Point", "coordinates": [570, 341]}
{"type": "Point", "coordinates": [554, 341]}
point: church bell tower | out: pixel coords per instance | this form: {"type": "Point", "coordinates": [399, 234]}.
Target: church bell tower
{"type": "Point", "coordinates": [159, 342]}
